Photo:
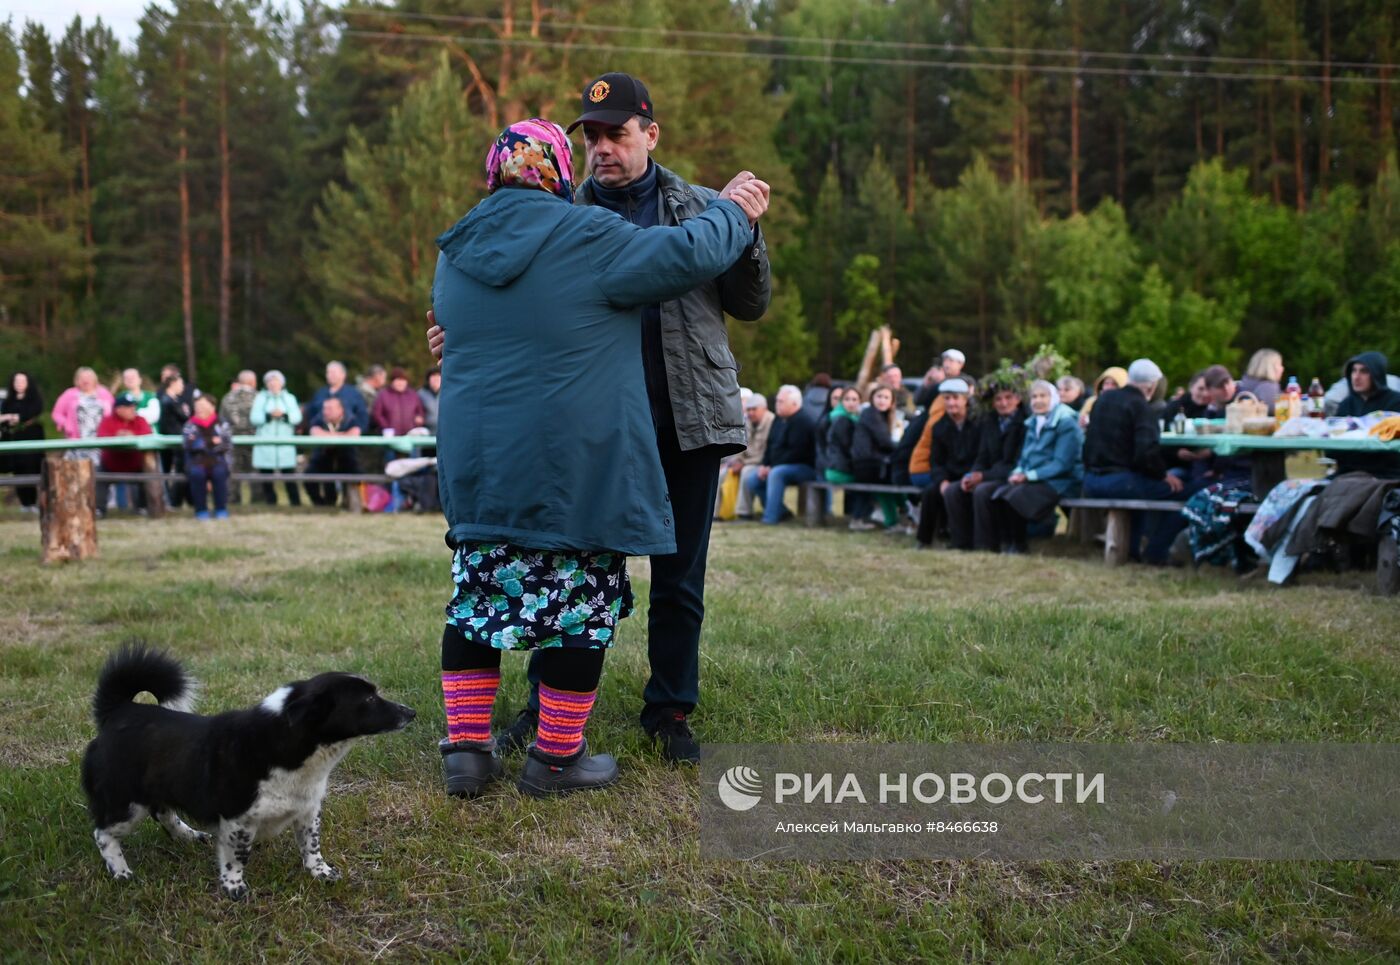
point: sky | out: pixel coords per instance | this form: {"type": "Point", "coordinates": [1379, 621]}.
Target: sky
{"type": "Point", "coordinates": [120, 15]}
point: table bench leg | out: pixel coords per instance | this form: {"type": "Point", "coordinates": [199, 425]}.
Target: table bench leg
{"type": "Point", "coordinates": [1116, 542]}
{"type": "Point", "coordinates": [1268, 470]}
{"type": "Point", "coordinates": [814, 507]}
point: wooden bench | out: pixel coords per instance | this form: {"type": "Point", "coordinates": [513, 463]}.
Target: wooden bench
{"type": "Point", "coordinates": [814, 506]}
{"type": "Point", "coordinates": [1119, 520]}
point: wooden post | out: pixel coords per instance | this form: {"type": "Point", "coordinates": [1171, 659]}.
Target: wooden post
{"type": "Point", "coordinates": [155, 489]}
{"type": "Point", "coordinates": [813, 504]}
{"type": "Point", "coordinates": [353, 502]}
{"type": "Point", "coordinates": [67, 509]}
{"type": "Point", "coordinates": [1115, 544]}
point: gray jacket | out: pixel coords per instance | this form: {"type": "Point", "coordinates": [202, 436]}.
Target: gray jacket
{"type": "Point", "coordinates": [700, 368]}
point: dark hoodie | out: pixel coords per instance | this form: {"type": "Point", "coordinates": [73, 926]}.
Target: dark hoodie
{"type": "Point", "coordinates": [1384, 465]}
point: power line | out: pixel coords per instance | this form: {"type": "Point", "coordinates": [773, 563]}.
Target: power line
{"type": "Point", "coordinates": [1059, 69]}
{"type": "Point", "coordinates": [886, 44]}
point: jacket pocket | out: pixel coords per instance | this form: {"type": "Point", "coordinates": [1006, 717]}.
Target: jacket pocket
{"type": "Point", "coordinates": [724, 386]}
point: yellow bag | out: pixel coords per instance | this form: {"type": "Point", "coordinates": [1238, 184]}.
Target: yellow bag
{"type": "Point", "coordinates": [729, 496]}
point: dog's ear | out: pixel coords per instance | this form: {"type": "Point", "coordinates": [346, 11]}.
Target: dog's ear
{"type": "Point", "coordinates": [307, 705]}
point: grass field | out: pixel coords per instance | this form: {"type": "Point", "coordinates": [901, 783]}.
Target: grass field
{"type": "Point", "coordinates": [810, 636]}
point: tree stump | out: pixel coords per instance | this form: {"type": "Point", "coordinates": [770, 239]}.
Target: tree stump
{"type": "Point", "coordinates": [67, 509]}
{"type": "Point", "coordinates": [155, 489]}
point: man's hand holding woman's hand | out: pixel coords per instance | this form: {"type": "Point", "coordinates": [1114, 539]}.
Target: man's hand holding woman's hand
{"type": "Point", "coordinates": [749, 193]}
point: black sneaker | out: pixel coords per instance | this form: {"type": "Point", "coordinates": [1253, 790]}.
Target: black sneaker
{"type": "Point", "coordinates": [545, 775]}
{"type": "Point", "coordinates": [518, 735]}
{"type": "Point", "coordinates": [467, 767]}
{"type": "Point", "coordinates": [678, 744]}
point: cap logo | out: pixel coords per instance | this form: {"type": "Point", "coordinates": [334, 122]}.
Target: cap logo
{"type": "Point", "coordinates": [599, 91]}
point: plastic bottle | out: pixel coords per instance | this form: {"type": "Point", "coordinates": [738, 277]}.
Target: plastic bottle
{"type": "Point", "coordinates": [1295, 398]}
{"type": "Point", "coordinates": [1316, 406]}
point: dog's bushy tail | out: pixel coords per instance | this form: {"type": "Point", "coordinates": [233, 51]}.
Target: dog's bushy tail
{"type": "Point", "coordinates": [136, 668]}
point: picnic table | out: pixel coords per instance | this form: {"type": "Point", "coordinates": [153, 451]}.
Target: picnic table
{"type": "Point", "coordinates": [1268, 454]}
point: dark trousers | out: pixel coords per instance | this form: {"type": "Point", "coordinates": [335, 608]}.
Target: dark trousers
{"type": "Point", "coordinates": [172, 460]}
{"type": "Point", "coordinates": [1161, 530]}
{"type": "Point", "coordinates": [677, 606]}
{"type": "Point", "coordinates": [202, 477]}
{"type": "Point", "coordinates": [339, 461]}
{"type": "Point", "coordinates": [564, 668]}
{"type": "Point", "coordinates": [959, 506]}
{"type": "Point", "coordinates": [270, 491]}
{"type": "Point", "coordinates": [933, 514]}
{"type": "Point", "coordinates": [137, 491]}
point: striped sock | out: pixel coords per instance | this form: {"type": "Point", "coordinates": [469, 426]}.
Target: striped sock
{"type": "Point", "coordinates": [469, 695]}
{"type": "Point", "coordinates": [562, 716]}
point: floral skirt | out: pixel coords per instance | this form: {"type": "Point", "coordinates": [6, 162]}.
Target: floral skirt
{"type": "Point", "coordinates": [514, 598]}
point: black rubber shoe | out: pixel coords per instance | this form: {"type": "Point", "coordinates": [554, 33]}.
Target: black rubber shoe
{"type": "Point", "coordinates": [545, 775]}
{"type": "Point", "coordinates": [468, 767]}
{"type": "Point", "coordinates": [672, 731]}
{"type": "Point", "coordinates": [518, 735]}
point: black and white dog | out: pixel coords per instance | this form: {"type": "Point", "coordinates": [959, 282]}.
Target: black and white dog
{"type": "Point", "coordinates": [244, 774]}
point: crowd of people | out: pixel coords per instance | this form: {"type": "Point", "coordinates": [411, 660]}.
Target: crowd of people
{"type": "Point", "coordinates": [992, 458]}
{"type": "Point", "coordinates": [383, 402]}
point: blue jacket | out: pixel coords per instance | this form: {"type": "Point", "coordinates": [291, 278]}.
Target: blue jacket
{"type": "Point", "coordinates": [356, 413]}
{"type": "Point", "coordinates": [1054, 456]}
{"type": "Point", "coordinates": [527, 283]}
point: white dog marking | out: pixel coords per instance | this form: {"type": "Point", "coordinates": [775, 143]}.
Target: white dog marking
{"type": "Point", "coordinates": [275, 701]}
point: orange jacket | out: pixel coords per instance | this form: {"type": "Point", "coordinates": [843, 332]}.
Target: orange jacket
{"type": "Point", "coordinates": [919, 459]}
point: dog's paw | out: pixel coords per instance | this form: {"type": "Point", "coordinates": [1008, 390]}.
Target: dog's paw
{"type": "Point", "coordinates": [236, 891]}
{"type": "Point", "coordinates": [324, 872]}
{"type": "Point", "coordinates": [124, 875]}
{"type": "Point", "coordinates": [203, 837]}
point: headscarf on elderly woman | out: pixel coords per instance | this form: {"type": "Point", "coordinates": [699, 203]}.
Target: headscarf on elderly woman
{"type": "Point", "coordinates": [1050, 467]}
{"type": "Point", "coordinates": [548, 466]}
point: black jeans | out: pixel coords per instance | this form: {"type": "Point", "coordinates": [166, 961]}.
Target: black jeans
{"type": "Point", "coordinates": [340, 460]}
{"type": "Point", "coordinates": [677, 604]}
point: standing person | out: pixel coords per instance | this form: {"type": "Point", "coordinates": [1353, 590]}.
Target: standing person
{"type": "Point", "coordinates": [547, 494]}
{"type": "Point", "coordinates": [80, 409]}
{"type": "Point", "coordinates": [236, 408]}
{"type": "Point", "coordinates": [123, 421]}
{"type": "Point", "coordinates": [174, 413]}
{"type": "Point", "coordinates": [276, 415]}
{"type": "Point", "coordinates": [692, 386]}
{"type": "Point", "coordinates": [206, 458]}
{"type": "Point", "coordinates": [21, 420]}
{"type": "Point", "coordinates": [148, 403]}
{"type": "Point", "coordinates": [350, 398]}
{"type": "Point", "coordinates": [369, 387]}
{"type": "Point", "coordinates": [397, 407]}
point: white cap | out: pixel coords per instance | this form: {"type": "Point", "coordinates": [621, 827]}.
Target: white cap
{"type": "Point", "coordinates": [1144, 372]}
{"type": "Point", "coordinates": [955, 355]}
{"type": "Point", "coordinates": [954, 386]}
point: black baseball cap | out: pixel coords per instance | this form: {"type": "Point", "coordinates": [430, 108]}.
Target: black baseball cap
{"type": "Point", "coordinates": [126, 398]}
{"type": "Point", "coordinates": [614, 99]}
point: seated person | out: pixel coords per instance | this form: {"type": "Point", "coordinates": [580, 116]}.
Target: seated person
{"type": "Point", "coordinates": [333, 421]}
{"type": "Point", "coordinates": [122, 421]}
{"type": "Point", "coordinates": [789, 459]}
{"type": "Point", "coordinates": [1193, 404]}
{"type": "Point", "coordinates": [969, 503]}
{"type": "Point", "coordinates": [872, 446]}
{"type": "Point", "coordinates": [953, 447]}
{"type": "Point", "coordinates": [1071, 392]}
{"type": "Point", "coordinates": [758, 424]}
{"type": "Point", "coordinates": [1123, 459]}
{"type": "Point", "coordinates": [1366, 375]}
{"type": "Point", "coordinates": [1113, 377]}
{"type": "Point", "coordinates": [1049, 469]}
{"type": "Point", "coordinates": [840, 442]}
{"type": "Point", "coordinates": [208, 440]}
{"type": "Point", "coordinates": [1211, 468]}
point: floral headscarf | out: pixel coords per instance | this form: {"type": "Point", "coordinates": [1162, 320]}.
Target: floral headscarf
{"type": "Point", "coordinates": [532, 154]}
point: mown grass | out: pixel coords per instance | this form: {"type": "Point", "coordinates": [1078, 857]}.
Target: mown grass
{"type": "Point", "coordinates": [810, 636]}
